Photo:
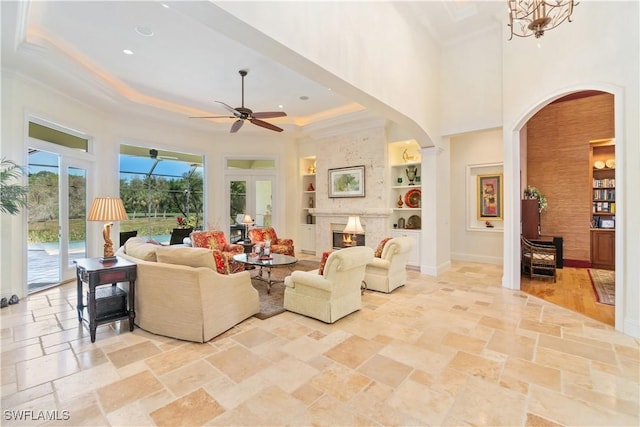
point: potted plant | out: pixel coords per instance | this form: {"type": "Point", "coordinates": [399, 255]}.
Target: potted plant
{"type": "Point", "coordinates": [533, 193]}
{"type": "Point", "coordinates": [13, 197]}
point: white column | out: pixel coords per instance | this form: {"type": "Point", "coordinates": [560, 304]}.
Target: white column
{"type": "Point", "coordinates": [435, 239]}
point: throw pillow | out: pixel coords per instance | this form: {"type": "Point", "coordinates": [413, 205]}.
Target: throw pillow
{"type": "Point", "coordinates": [191, 257]}
{"type": "Point", "coordinates": [378, 252]}
{"type": "Point", "coordinates": [323, 261]}
{"type": "Point", "coordinates": [222, 266]}
{"type": "Point", "coordinates": [137, 247]}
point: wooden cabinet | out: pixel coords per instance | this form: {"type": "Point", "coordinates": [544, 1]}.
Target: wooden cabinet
{"type": "Point", "coordinates": [105, 304]}
{"type": "Point", "coordinates": [603, 249]}
{"type": "Point", "coordinates": [530, 214]}
{"type": "Point", "coordinates": [603, 203]}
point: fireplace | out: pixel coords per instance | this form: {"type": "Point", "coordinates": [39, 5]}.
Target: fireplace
{"type": "Point", "coordinates": [340, 240]}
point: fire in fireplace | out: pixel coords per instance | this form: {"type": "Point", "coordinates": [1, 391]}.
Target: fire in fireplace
{"type": "Point", "coordinates": [343, 240]}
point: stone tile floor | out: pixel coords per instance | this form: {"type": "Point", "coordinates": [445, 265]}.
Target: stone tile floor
{"type": "Point", "coordinates": [452, 350]}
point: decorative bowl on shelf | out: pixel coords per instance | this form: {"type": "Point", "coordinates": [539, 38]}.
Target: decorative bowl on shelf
{"type": "Point", "coordinates": [414, 222]}
{"type": "Point", "coordinates": [598, 164]}
{"type": "Point", "coordinates": [412, 198]}
{"type": "Point", "coordinates": [610, 163]}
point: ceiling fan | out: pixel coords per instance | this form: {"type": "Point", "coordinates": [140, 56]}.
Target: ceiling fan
{"type": "Point", "coordinates": [242, 113]}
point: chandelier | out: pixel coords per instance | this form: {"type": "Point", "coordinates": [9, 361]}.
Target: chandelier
{"type": "Point", "coordinates": [534, 17]}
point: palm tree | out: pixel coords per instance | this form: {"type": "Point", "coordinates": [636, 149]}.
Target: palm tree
{"type": "Point", "coordinates": [13, 197]}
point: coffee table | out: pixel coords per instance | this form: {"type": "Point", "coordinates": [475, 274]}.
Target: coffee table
{"type": "Point", "coordinates": [274, 261]}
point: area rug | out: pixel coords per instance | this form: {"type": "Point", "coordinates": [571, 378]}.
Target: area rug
{"type": "Point", "coordinates": [604, 283]}
{"type": "Point", "coordinates": [272, 304]}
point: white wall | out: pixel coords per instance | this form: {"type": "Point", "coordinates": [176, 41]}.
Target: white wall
{"type": "Point", "coordinates": [472, 84]}
{"type": "Point", "coordinates": [476, 148]}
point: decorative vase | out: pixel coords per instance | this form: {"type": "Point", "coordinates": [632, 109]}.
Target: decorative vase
{"type": "Point", "coordinates": [310, 202]}
{"type": "Point", "coordinates": [412, 172]}
{"type": "Point", "coordinates": [399, 202]}
{"type": "Point", "coordinates": [401, 223]}
{"type": "Point", "coordinates": [310, 188]}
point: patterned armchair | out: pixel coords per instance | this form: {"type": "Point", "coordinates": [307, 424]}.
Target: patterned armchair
{"type": "Point", "coordinates": [278, 246]}
{"type": "Point", "coordinates": [217, 241]}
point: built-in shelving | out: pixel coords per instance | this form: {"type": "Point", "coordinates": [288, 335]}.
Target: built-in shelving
{"type": "Point", "coordinates": [307, 202]}
{"type": "Point", "coordinates": [603, 204]}
{"type": "Point", "coordinates": [405, 197]}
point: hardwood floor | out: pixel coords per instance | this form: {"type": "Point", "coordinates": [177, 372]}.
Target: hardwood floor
{"type": "Point", "coordinates": [572, 290]}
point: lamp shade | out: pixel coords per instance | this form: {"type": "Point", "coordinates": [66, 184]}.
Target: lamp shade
{"type": "Point", "coordinates": [353, 226]}
{"type": "Point", "coordinates": [247, 219]}
{"type": "Point", "coordinates": [107, 209]}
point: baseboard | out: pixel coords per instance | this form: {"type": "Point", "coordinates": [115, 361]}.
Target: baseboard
{"type": "Point", "coordinates": [483, 259]}
{"type": "Point", "coordinates": [577, 263]}
{"type": "Point", "coordinates": [631, 328]}
{"type": "Point", "coordinates": [435, 271]}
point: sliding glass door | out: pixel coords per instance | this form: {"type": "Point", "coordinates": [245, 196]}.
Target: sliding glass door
{"type": "Point", "coordinates": [57, 209]}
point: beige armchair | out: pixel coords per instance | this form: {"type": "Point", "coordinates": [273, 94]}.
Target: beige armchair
{"type": "Point", "coordinates": [334, 293]}
{"type": "Point", "coordinates": [388, 272]}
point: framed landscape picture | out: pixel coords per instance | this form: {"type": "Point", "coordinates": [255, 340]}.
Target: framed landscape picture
{"type": "Point", "coordinates": [490, 196]}
{"type": "Point", "coordinates": [346, 182]}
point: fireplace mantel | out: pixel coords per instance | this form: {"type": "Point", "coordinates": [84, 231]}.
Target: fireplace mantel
{"type": "Point", "coordinates": [364, 213]}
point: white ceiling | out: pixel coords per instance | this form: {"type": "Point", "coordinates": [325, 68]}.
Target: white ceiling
{"type": "Point", "coordinates": [185, 66]}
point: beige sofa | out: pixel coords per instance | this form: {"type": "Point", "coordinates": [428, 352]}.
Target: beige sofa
{"type": "Point", "coordinates": [180, 294]}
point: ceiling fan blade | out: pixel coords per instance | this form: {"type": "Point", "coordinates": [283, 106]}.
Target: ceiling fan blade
{"type": "Point", "coordinates": [236, 125]}
{"type": "Point", "coordinates": [265, 125]}
{"type": "Point", "coordinates": [269, 114]}
{"type": "Point", "coordinates": [229, 108]}
{"type": "Point", "coordinates": [212, 117]}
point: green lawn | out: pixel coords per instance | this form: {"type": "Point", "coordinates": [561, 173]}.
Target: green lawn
{"type": "Point", "coordinates": [47, 231]}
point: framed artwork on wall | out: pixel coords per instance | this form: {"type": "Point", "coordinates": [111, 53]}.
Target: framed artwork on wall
{"type": "Point", "coordinates": [490, 196]}
{"type": "Point", "coordinates": [346, 182]}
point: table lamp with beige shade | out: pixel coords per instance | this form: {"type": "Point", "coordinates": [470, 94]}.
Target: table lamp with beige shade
{"type": "Point", "coordinates": [247, 221]}
{"type": "Point", "coordinates": [107, 209]}
{"type": "Point", "coordinates": [353, 227]}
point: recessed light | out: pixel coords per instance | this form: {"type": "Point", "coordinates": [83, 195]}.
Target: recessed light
{"type": "Point", "coordinates": [144, 31]}
{"type": "Point", "coordinates": [281, 106]}
{"type": "Point", "coordinates": [127, 52]}
{"type": "Point", "coordinates": [304, 98]}
{"type": "Point", "coordinates": [166, 6]}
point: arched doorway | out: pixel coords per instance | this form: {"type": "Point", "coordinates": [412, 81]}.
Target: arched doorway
{"type": "Point", "coordinates": [514, 155]}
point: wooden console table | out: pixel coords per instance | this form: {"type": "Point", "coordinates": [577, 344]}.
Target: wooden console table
{"type": "Point", "coordinates": [106, 304]}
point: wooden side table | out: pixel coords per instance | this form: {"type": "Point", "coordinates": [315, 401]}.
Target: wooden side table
{"type": "Point", "coordinates": [106, 304]}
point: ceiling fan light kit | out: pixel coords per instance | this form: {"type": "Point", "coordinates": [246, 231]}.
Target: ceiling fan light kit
{"type": "Point", "coordinates": [242, 113]}
{"type": "Point", "coordinates": [534, 17]}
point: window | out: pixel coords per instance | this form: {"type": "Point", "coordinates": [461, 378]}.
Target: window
{"type": "Point", "coordinates": [161, 190]}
